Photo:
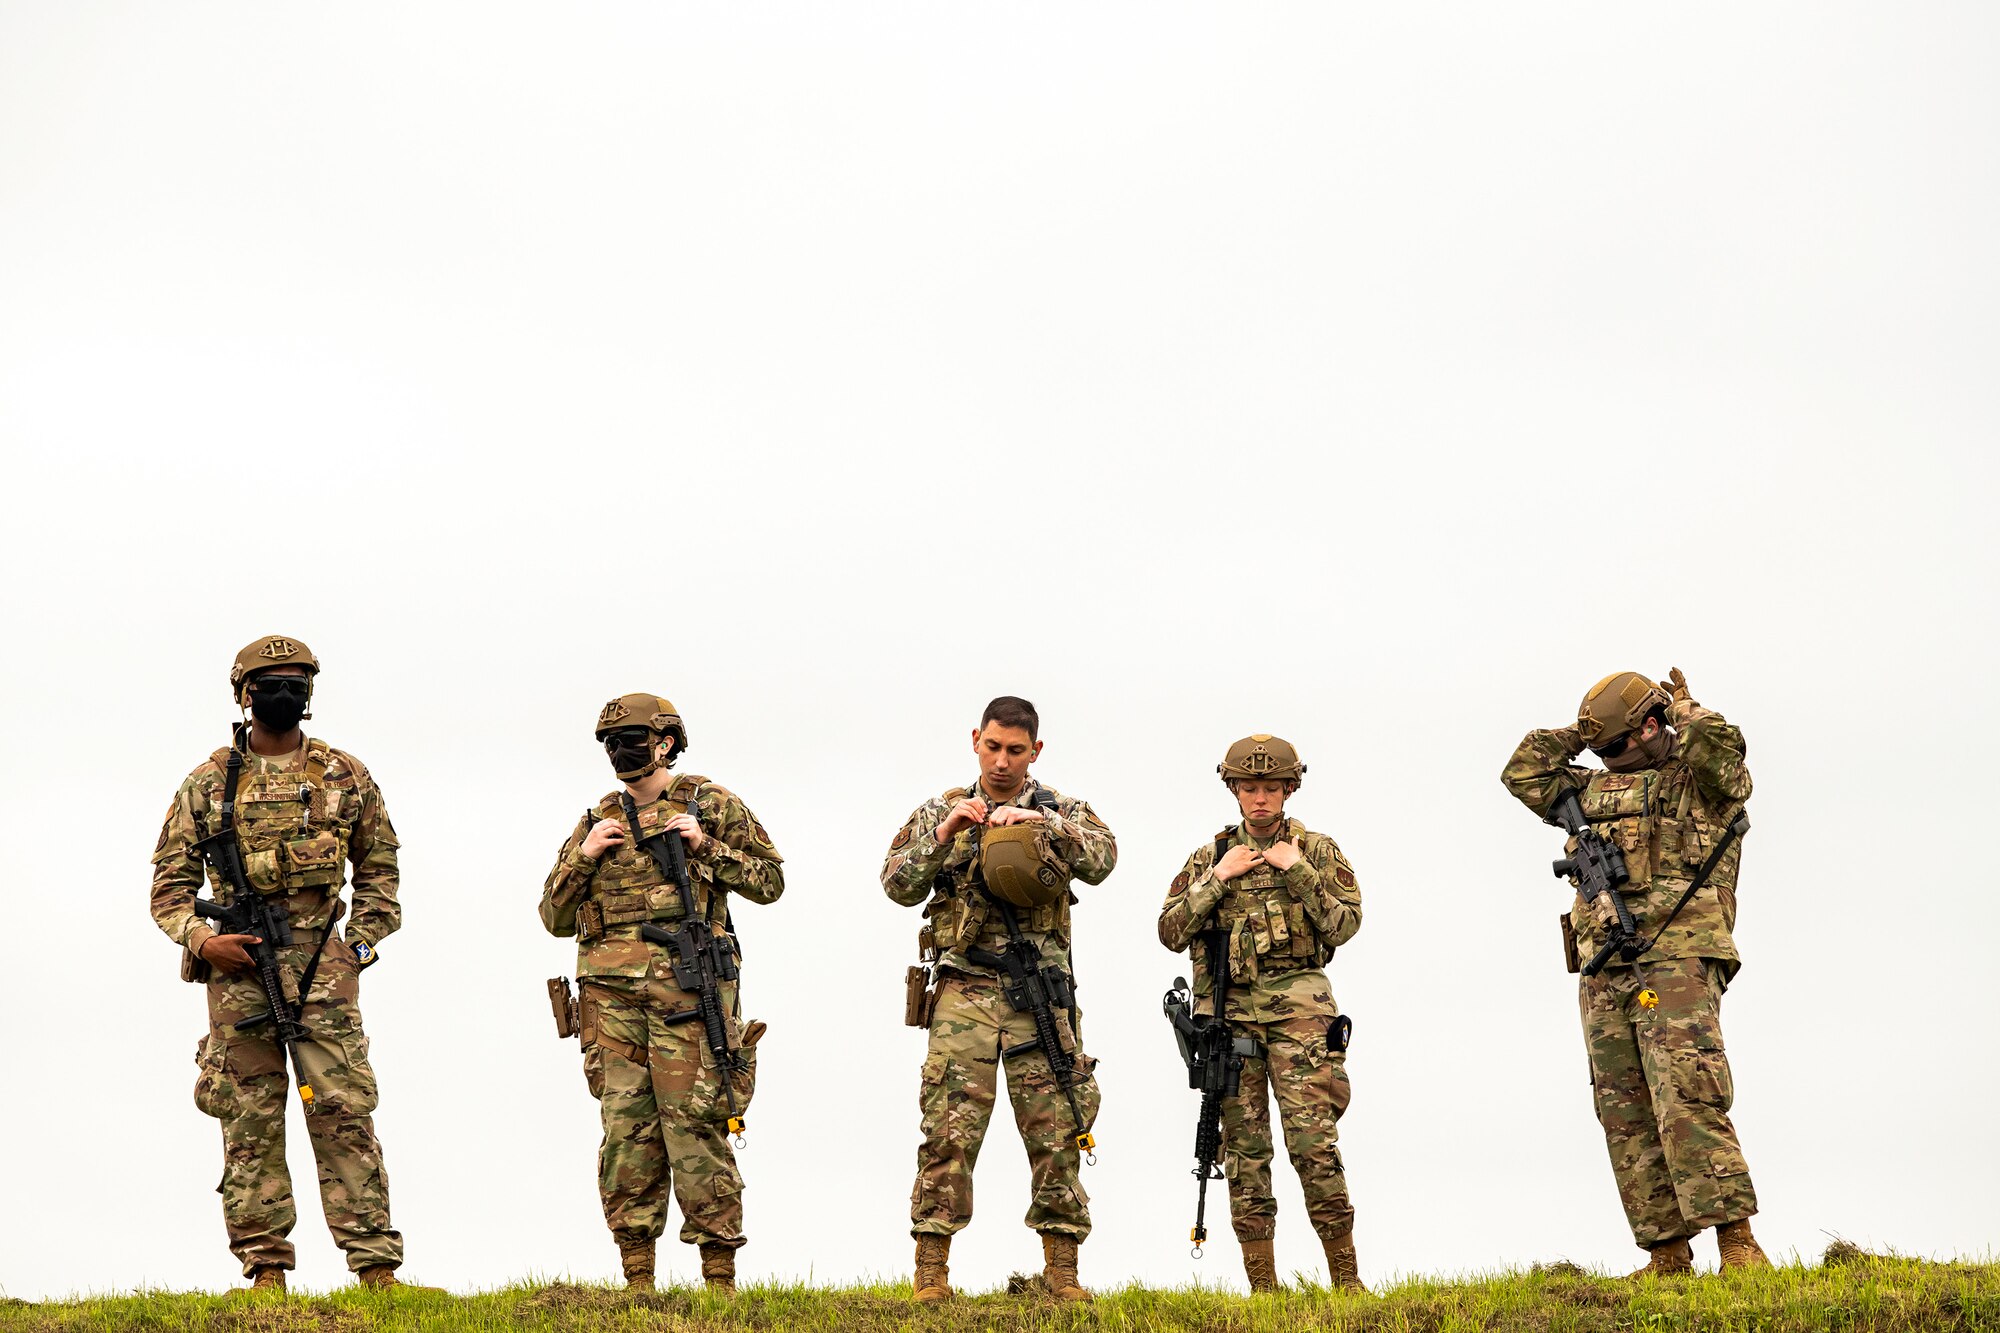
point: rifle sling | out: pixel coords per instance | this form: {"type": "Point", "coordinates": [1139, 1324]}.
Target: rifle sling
{"type": "Point", "coordinates": [1737, 828]}
{"type": "Point", "coordinates": [232, 774]}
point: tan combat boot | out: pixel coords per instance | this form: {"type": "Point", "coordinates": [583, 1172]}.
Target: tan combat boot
{"type": "Point", "coordinates": [1738, 1247]}
{"type": "Point", "coordinates": [1260, 1264]}
{"type": "Point", "coordinates": [1059, 1268]}
{"type": "Point", "coordinates": [1343, 1270]}
{"type": "Point", "coordinates": [718, 1268]}
{"type": "Point", "coordinates": [382, 1277]}
{"type": "Point", "coordinates": [267, 1277]}
{"type": "Point", "coordinates": [933, 1280]}
{"type": "Point", "coordinates": [636, 1258]}
{"type": "Point", "coordinates": [1668, 1259]}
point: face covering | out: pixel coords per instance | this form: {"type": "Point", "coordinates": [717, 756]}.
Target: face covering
{"type": "Point", "coordinates": [632, 754]}
{"type": "Point", "coordinates": [1641, 754]}
{"type": "Point", "coordinates": [279, 711]}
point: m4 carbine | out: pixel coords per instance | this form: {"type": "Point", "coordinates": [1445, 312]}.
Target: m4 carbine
{"type": "Point", "coordinates": [1215, 1056]}
{"type": "Point", "coordinates": [1599, 870]}
{"type": "Point", "coordinates": [264, 919]}
{"type": "Point", "coordinates": [1038, 991]}
{"type": "Point", "coordinates": [702, 959]}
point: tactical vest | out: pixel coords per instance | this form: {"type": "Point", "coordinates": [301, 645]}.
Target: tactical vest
{"type": "Point", "coordinates": [294, 828]}
{"type": "Point", "coordinates": [627, 888]}
{"type": "Point", "coordinates": [1265, 927]}
{"type": "Point", "coordinates": [1657, 819]}
{"type": "Point", "coordinates": [962, 914]}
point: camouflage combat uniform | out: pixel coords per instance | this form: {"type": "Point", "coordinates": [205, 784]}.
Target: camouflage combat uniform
{"type": "Point", "coordinates": [659, 1096]}
{"type": "Point", "coordinates": [1278, 930]}
{"type": "Point", "coordinates": [1661, 1077]}
{"type": "Point", "coordinates": [971, 1020]}
{"type": "Point", "coordinates": [300, 819]}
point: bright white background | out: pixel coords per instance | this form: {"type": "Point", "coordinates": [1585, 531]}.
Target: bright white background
{"type": "Point", "coordinates": [1379, 380]}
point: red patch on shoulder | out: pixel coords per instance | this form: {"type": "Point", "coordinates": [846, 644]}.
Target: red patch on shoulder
{"type": "Point", "coordinates": [1344, 877]}
{"type": "Point", "coordinates": [902, 839]}
{"type": "Point", "coordinates": [1179, 885]}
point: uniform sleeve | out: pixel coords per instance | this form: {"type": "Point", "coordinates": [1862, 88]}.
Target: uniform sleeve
{"type": "Point", "coordinates": [1083, 840]}
{"type": "Point", "coordinates": [1541, 771]}
{"type": "Point", "coordinates": [1323, 883]}
{"type": "Point", "coordinates": [1190, 899]}
{"type": "Point", "coordinates": [737, 850]}
{"type": "Point", "coordinates": [915, 855]}
{"type": "Point", "coordinates": [1713, 749]}
{"type": "Point", "coordinates": [567, 882]}
{"type": "Point", "coordinates": [177, 868]}
{"type": "Point", "coordinates": [377, 914]}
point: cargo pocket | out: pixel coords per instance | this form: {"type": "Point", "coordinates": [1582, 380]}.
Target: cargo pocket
{"type": "Point", "coordinates": [1725, 1162]}
{"type": "Point", "coordinates": [1701, 1072]}
{"type": "Point", "coordinates": [1341, 1090]}
{"type": "Point", "coordinates": [708, 1102]}
{"type": "Point", "coordinates": [593, 1070]}
{"type": "Point", "coordinates": [1089, 1097]}
{"type": "Point", "coordinates": [214, 1094]}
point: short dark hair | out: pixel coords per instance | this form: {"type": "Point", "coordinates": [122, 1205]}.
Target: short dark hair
{"type": "Point", "coordinates": [1011, 711]}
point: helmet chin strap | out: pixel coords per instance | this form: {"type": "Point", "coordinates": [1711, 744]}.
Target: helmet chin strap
{"type": "Point", "coordinates": [652, 764]}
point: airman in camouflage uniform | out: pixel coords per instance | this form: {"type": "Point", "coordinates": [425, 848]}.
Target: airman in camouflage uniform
{"type": "Point", "coordinates": [935, 856]}
{"type": "Point", "coordinates": [660, 1096]}
{"type": "Point", "coordinates": [1673, 782]}
{"type": "Point", "coordinates": [303, 812]}
{"type": "Point", "coordinates": [1271, 900]}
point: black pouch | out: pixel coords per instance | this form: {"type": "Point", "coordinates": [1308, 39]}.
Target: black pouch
{"type": "Point", "coordinates": [1338, 1033]}
{"type": "Point", "coordinates": [1572, 961]}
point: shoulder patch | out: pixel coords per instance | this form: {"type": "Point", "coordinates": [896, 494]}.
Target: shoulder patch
{"type": "Point", "coordinates": [757, 827]}
{"type": "Point", "coordinates": [1179, 886]}
{"type": "Point", "coordinates": [1343, 877]}
{"type": "Point", "coordinates": [902, 839]}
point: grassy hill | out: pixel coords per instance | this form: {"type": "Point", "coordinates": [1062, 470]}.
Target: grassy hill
{"type": "Point", "coordinates": [1849, 1291]}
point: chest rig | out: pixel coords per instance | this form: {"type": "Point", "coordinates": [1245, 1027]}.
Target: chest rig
{"type": "Point", "coordinates": [1657, 818]}
{"type": "Point", "coordinates": [628, 888]}
{"type": "Point", "coordinates": [1262, 927]}
{"type": "Point", "coordinates": [961, 913]}
{"type": "Point", "coordinates": [294, 828]}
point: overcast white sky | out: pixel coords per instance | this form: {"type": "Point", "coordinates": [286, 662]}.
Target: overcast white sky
{"type": "Point", "coordinates": [1378, 378]}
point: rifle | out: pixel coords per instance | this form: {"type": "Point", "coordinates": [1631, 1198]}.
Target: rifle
{"type": "Point", "coordinates": [1038, 991]}
{"type": "Point", "coordinates": [702, 960]}
{"type": "Point", "coordinates": [252, 913]}
{"type": "Point", "coordinates": [1599, 870]}
{"type": "Point", "coordinates": [1215, 1056]}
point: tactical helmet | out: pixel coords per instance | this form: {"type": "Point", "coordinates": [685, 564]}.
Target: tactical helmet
{"type": "Point", "coordinates": [273, 650]}
{"type": "Point", "coordinates": [650, 711]}
{"type": "Point", "coordinates": [1617, 706]}
{"type": "Point", "coordinates": [1019, 867]}
{"type": "Point", "coordinates": [1262, 756]}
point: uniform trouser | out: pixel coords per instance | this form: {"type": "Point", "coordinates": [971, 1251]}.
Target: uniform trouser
{"type": "Point", "coordinates": [1310, 1080]}
{"type": "Point", "coordinates": [961, 1078]}
{"type": "Point", "coordinates": [1663, 1090]}
{"type": "Point", "coordinates": [245, 1083]}
{"type": "Point", "coordinates": [664, 1114]}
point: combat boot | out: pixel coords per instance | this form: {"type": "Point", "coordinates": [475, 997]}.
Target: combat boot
{"type": "Point", "coordinates": [1343, 1270]}
{"type": "Point", "coordinates": [1738, 1247]}
{"type": "Point", "coordinates": [267, 1277]}
{"type": "Point", "coordinates": [382, 1277]}
{"type": "Point", "coordinates": [1667, 1259]}
{"type": "Point", "coordinates": [1059, 1268]}
{"type": "Point", "coordinates": [1260, 1265]}
{"type": "Point", "coordinates": [718, 1268]}
{"type": "Point", "coordinates": [933, 1280]}
{"type": "Point", "coordinates": [636, 1258]}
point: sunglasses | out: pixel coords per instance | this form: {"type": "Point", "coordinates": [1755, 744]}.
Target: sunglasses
{"type": "Point", "coordinates": [1612, 749]}
{"type": "Point", "coordinates": [271, 687]}
{"type": "Point", "coordinates": [630, 736]}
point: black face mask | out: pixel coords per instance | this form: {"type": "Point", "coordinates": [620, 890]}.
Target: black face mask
{"type": "Point", "coordinates": [279, 703]}
{"type": "Point", "coordinates": [630, 751]}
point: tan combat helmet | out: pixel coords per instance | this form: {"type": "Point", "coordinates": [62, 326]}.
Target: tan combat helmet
{"type": "Point", "coordinates": [650, 711]}
{"type": "Point", "coordinates": [1019, 867]}
{"type": "Point", "coordinates": [273, 650]}
{"type": "Point", "coordinates": [1616, 706]}
{"type": "Point", "coordinates": [1262, 756]}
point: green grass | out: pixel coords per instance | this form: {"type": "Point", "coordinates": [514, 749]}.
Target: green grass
{"type": "Point", "coordinates": [1850, 1291]}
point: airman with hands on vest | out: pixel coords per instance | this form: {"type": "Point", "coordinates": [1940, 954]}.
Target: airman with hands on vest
{"type": "Point", "coordinates": [301, 812]}
{"type": "Point", "coordinates": [994, 863]}
{"type": "Point", "coordinates": [663, 1103]}
{"type": "Point", "coordinates": [1268, 900]}
{"type": "Point", "coordinates": [1670, 796]}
